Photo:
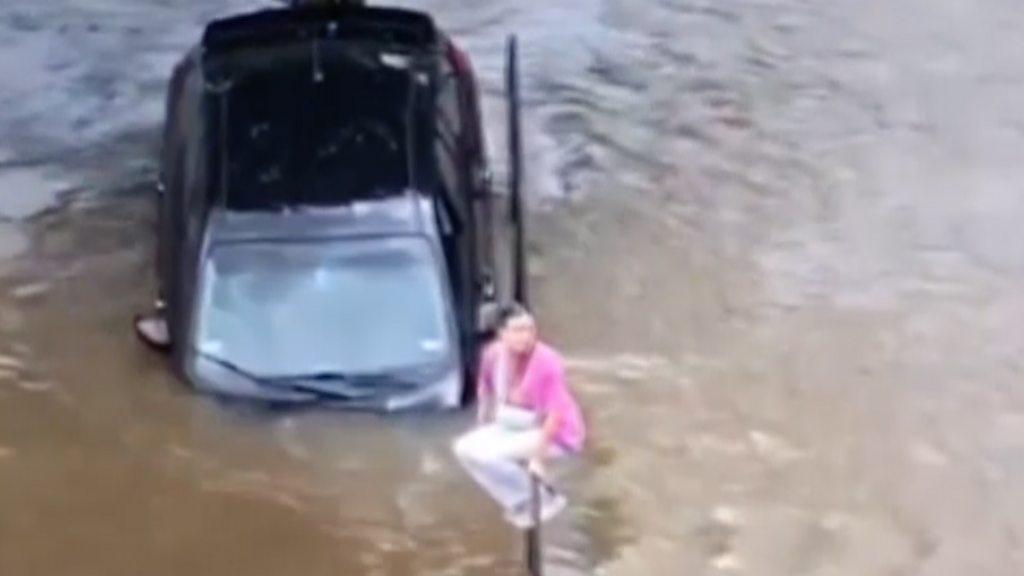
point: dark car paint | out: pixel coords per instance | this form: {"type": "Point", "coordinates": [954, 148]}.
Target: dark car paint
{"type": "Point", "coordinates": [189, 179]}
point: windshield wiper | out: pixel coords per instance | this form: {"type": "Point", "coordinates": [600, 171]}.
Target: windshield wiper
{"type": "Point", "coordinates": [335, 384]}
{"type": "Point", "coordinates": [363, 380]}
{"type": "Point", "coordinates": [327, 383]}
{"type": "Point", "coordinates": [389, 380]}
{"type": "Point", "coordinates": [229, 365]}
{"type": "Point", "coordinates": [322, 376]}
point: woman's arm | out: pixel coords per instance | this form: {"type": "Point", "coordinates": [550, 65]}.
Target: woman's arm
{"type": "Point", "coordinates": [549, 430]}
{"type": "Point", "coordinates": [551, 407]}
{"type": "Point", "coordinates": [484, 405]}
{"type": "Point", "coordinates": [484, 387]}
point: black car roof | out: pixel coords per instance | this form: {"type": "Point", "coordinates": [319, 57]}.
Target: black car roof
{"type": "Point", "coordinates": [392, 26]}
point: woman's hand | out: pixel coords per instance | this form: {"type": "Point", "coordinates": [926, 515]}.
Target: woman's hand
{"type": "Point", "coordinates": [536, 466]}
{"type": "Point", "coordinates": [484, 409]}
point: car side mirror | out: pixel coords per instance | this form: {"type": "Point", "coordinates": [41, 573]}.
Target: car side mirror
{"type": "Point", "coordinates": [487, 318]}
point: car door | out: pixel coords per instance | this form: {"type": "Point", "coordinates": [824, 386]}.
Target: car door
{"type": "Point", "coordinates": [187, 210]}
{"type": "Point", "coordinates": [475, 169]}
{"type": "Point", "coordinates": [460, 237]}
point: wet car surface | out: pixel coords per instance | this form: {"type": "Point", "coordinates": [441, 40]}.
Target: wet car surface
{"type": "Point", "coordinates": [807, 320]}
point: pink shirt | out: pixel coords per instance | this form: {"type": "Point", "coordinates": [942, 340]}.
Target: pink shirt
{"type": "Point", "coordinates": [544, 390]}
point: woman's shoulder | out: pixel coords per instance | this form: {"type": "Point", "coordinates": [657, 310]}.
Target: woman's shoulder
{"type": "Point", "coordinates": [490, 352]}
{"type": "Point", "coordinates": [550, 357]}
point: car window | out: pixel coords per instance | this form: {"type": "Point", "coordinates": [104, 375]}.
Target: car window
{"type": "Point", "coordinates": [446, 166]}
{"type": "Point", "coordinates": [448, 104]}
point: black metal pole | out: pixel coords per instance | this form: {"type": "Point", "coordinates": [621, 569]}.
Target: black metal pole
{"type": "Point", "coordinates": [515, 145]}
{"type": "Point", "coordinates": [534, 541]}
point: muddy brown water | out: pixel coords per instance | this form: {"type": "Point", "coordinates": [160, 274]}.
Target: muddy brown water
{"type": "Point", "coordinates": [778, 241]}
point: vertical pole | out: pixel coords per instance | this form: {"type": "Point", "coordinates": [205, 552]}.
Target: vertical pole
{"type": "Point", "coordinates": [515, 159]}
{"type": "Point", "coordinates": [534, 558]}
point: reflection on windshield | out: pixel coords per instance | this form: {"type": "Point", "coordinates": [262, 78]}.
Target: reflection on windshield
{"type": "Point", "coordinates": [352, 307]}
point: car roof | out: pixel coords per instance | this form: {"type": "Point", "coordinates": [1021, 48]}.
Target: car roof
{"type": "Point", "coordinates": [398, 215]}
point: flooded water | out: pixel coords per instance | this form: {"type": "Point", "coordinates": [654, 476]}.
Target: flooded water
{"type": "Point", "coordinates": [777, 239]}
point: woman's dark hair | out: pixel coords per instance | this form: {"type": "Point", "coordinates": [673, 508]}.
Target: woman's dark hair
{"type": "Point", "coordinates": [512, 311]}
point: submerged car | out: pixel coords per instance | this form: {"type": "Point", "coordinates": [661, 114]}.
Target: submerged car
{"type": "Point", "coordinates": [327, 226]}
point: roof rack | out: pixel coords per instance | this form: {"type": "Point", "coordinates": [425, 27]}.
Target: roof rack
{"type": "Point", "coordinates": [411, 29]}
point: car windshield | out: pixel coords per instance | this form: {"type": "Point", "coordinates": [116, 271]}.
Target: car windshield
{"type": "Point", "coordinates": [351, 307]}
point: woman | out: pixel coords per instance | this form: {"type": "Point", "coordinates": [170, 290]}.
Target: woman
{"type": "Point", "coordinates": [526, 415]}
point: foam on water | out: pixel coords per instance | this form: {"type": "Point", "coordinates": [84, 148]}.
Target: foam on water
{"type": "Point", "coordinates": [12, 240]}
{"type": "Point", "coordinates": [25, 192]}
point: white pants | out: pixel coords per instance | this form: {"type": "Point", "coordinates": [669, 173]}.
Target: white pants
{"type": "Point", "coordinates": [496, 456]}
